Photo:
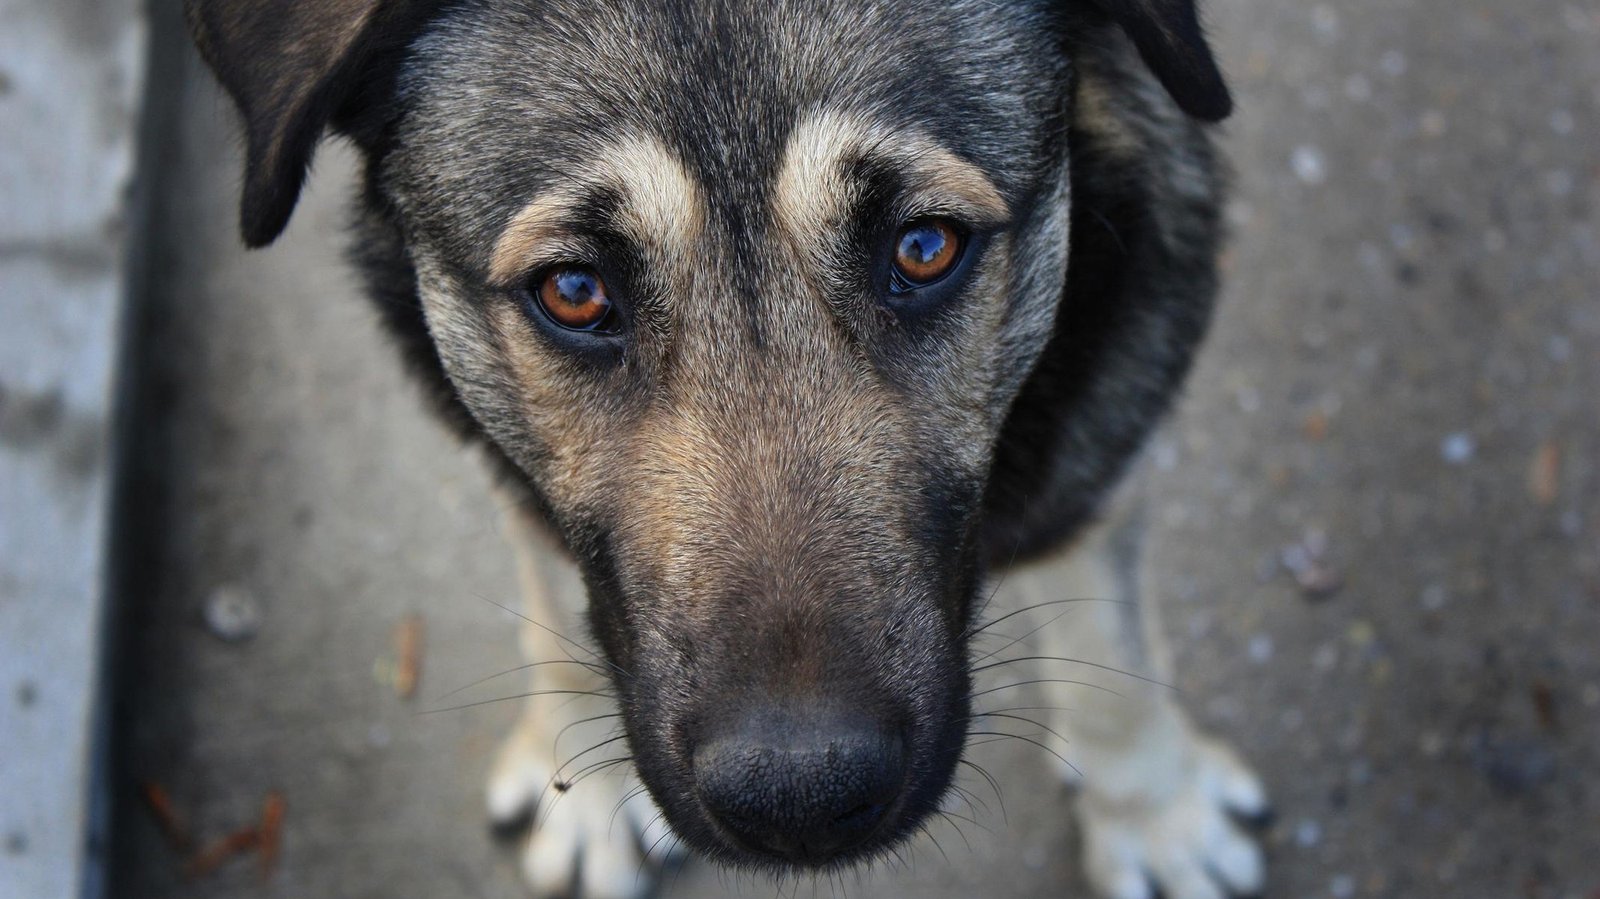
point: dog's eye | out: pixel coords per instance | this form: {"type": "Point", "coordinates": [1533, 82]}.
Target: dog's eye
{"type": "Point", "coordinates": [925, 251]}
{"type": "Point", "coordinates": [575, 298]}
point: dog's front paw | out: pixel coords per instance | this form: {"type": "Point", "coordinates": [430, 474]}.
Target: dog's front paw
{"type": "Point", "coordinates": [1185, 843]}
{"type": "Point", "coordinates": [592, 828]}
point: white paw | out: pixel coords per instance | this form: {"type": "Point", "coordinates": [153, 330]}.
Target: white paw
{"type": "Point", "coordinates": [589, 840]}
{"type": "Point", "coordinates": [1185, 845]}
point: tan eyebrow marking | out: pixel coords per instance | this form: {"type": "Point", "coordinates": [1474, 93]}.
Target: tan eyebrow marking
{"type": "Point", "coordinates": [661, 207]}
{"type": "Point", "coordinates": [813, 191]}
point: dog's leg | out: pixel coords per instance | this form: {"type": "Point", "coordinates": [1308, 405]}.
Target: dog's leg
{"type": "Point", "coordinates": [591, 822]}
{"type": "Point", "coordinates": [1157, 798]}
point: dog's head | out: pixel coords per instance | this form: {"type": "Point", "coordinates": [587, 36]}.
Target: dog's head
{"type": "Point", "coordinates": [746, 290]}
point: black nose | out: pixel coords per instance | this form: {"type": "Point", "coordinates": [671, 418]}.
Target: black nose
{"type": "Point", "coordinates": [805, 785]}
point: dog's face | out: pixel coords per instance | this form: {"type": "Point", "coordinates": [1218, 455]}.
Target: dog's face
{"type": "Point", "coordinates": [746, 291]}
{"type": "Point", "coordinates": [747, 299]}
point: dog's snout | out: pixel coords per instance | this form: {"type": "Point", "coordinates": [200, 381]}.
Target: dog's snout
{"type": "Point", "coordinates": [805, 787]}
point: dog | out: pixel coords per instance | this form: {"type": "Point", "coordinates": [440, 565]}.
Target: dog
{"type": "Point", "coordinates": [791, 330]}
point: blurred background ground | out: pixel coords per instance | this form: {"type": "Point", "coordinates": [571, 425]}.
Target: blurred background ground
{"type": "Point", "coordinates": [1377, 512]}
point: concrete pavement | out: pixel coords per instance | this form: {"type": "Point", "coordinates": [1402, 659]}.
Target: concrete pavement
{"type": "Point", "coordinates": [1399, 399]}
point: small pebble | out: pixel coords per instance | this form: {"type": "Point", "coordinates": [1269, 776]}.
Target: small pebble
{"type": "Point", "coordinates": [1433, 123]}
{"type": "Point", "coordinates": [1591, 695]}
{"type": "Point", "coordinates": [1309, 165]}
{"type": "Point", "coordinates": [16, 843]}
{"type": "Point", "coordinates": [1342, 887]}
{"type": "Point", "coordinates": [1559, 183]}
{"type": "Point", "coordinates": [27, 694]}
{"type": "Point", "coordinates": [1261, 649]}
{"type": "Point", "coordinates": [1562, 122]}
{"type": "Point", "coordinates": [1434, 597]}
{"type": "Point", "coordinates": [1393, 63]}
{"type": "Point", "coordinates": [1307, 561]}
{"type": "Point", "coordinates": [1544, 473]}
{"type": "Point", "coordinates": [1558, 348]}
{"type": "Point", "coordinates": [1458, 448]}
{"type": "Point", "coordinates": [1358, 88]}
{"type": "Point", "coordinates": [1307, 833]}
{"type": "Point", "coordinates": [232, 614]}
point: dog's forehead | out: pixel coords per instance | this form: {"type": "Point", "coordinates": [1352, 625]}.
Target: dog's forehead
{"type": "Point", "coordinates": [512, 96]}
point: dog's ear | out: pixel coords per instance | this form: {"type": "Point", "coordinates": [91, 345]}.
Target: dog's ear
{"type": "Point", "coordinates": [1169, 38]}
{"type": "Point", "coordinates": [288, 64]}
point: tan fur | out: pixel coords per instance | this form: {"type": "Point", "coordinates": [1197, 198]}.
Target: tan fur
{"type": "Point", "coordinates": [662, 209]}
{"type": "Point", "coordinates": [813, 194]}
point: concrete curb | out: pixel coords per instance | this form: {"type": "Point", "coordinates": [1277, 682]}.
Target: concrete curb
{"type": "Point", "coordinates": [72, 75]}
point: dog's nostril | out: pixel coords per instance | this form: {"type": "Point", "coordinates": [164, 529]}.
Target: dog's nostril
{"type": "Point", "coordinates": [803, 789]}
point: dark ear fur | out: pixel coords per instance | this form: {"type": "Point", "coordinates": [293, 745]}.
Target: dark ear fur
{"type": "Point", "coordinates": [289, 64]}
{"type": "Point", "coordinates": [1168, 35]}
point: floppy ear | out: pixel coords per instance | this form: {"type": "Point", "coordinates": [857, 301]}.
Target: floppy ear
{"type": "Point", "coordinates": [288, 64]}
{"type": "Point", "coordinates": [1168, 35]}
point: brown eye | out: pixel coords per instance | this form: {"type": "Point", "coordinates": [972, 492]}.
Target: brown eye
{"type": "Point", "coordinates": [925, 252]}
{"type": "Point", "coordinates": [574, 297]}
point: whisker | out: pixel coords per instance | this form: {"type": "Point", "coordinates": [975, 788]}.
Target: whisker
{"type": "Point", "coordinates": [1024, 708]}
{"type": "Point", "coordinates": [1005, 572]}
{"type": "Point", "coordinates": [971, 799]}
{"type": "Point", "coordinates": [1047, 603]}
{"type": "Point", "coordinates": [626, 798]}
{"type": "Point", "coordinates": [556, 743]}
{"type": "Point", "coordinates": [599, 745]}
{"type": "Point", "coordinates": [590, 770]}
{"type": "Point", "coordinates": [1048, 680]}
{"type": "Point", "coordinates": [973, 821]}
{"type": "Point", "coordinates": [558, 635]}
{"type": "Point", "coordinates": [993, 785]}
{"type": "Point", "coordinates": [531, 665]}
{"type": "Point", "coordinates": [562, 788]}
{"type": "Point", "coordinates": [645, 858]}
{"type": "Point", "coordinates": [1015, 640]}
{"type": "Point", "coordinates": [1047, 729]}
{"type": "Point", "coordinates": [956, 826]}
{"type": "Point", "coordinates": [992, 665]}
{"type": "Point", "coordinates": [528, 695]}
{"type": "Point", "coordinates": [1030, 740]}
{"type": "Point", "coordinates": [927, 831]}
